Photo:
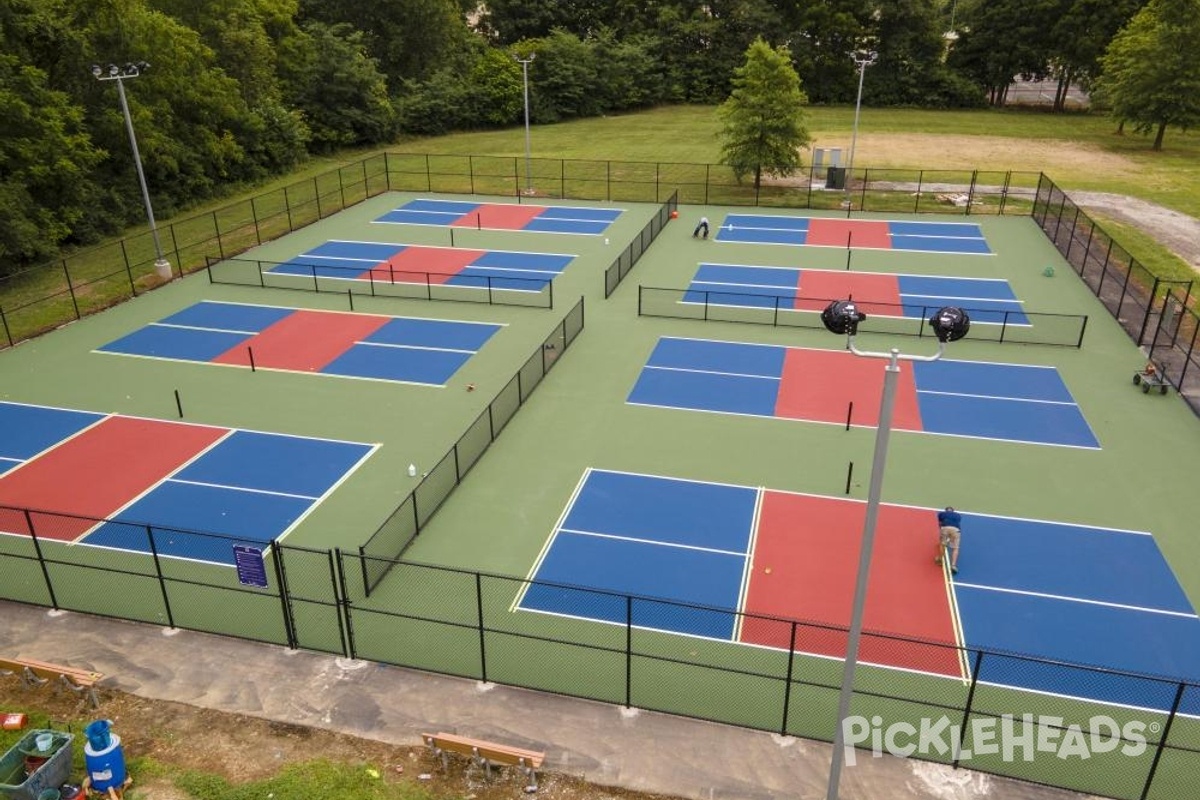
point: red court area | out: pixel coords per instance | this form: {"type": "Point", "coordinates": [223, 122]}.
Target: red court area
{"type": "Point", "coordinates": [820, 385]}
{"type": "Point", "coordinates": [818, 287]}
{"type": "Point", "coordinates": [105, 467]}
{"type": "Point", "coordinates": [417, 264]}
{"type": "Point", "coordinates": [811, 546]}
{"type": "Point", "coordinates": [305, 341]}
{"type": "Point", "coordinates": [848, 233]}
{"type": "Point", "coordinates": [499, 216]}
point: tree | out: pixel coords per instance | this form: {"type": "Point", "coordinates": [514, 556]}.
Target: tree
{"type": "Point", "coordinates": [331, 78]}
{"type": "Point", "coordinates": [764, 116]}
{"type": "Point", "coordinates": [1151, 71]}
{"type": "Point", "coordinates": [45, 158]}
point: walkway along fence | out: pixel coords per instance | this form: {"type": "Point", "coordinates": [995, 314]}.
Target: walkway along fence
{"type": "Point", "coordinates": [939, 702]}
{"type": "Point", "coordinates": [1157, 313]}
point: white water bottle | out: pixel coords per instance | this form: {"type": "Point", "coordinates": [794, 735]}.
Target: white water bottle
{"type": "Point", "coordinates": [412, 470]}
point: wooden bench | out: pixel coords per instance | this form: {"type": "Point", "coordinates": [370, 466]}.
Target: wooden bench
{"type": "Point", "coordinates": [486, 754]}
{"type": "Point", "coordinates": [39, 673]}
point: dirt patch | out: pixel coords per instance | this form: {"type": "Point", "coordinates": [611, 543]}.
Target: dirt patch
{"type": "Point", "coordinates": [241, 749]}
{"type": "Point", "coordinates": [937, 151]}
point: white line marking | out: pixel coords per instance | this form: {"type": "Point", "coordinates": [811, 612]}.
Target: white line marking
{"type": "Point", "coordinates": [660, 542]}
{"type": "Point", "coordinates": [1105, 603]}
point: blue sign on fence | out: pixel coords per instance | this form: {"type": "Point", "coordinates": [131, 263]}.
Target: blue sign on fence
{"type": "Point", "coordinates": [250, 567]}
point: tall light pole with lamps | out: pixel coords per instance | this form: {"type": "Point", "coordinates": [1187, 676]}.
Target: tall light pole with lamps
{"type": "Point", "coordinates": [525, 62]}
{"type": "Point", "coordinates": [120, 74]}
{"type": "Point", "coordinates": [841, 316]}
{"type": "Point", "coordinates": [862, 59]}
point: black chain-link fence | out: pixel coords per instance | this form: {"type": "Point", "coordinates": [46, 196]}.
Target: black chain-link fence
{"type": "Point", "coordinates": [1083, 728]}
{"type": "Point", "coordinates": [630, 255]}
{"type": "Point", "coordinates": [405, 523]}
{"type": "Point", "coordinates": [1158, 313]}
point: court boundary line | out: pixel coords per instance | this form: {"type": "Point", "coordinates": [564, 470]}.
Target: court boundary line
{"type": "Point", "coordinates": [506, 203]}
{"type": "Point", "coordinates": [956, 623]}
{"type": "Point", "coordinates": [1088, 601]}
{"type": "Point", "coordinates": [857, 219]}
{"type": "Point", "coordinates": [546, 545]}
{"type": "Point", "coordinates": [748, 569]}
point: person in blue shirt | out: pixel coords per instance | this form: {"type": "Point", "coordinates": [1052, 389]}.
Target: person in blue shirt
{"type": "Point", "coordinates": [949, 535]}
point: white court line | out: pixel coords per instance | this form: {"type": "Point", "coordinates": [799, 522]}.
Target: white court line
{"type": "Point", "coordinates": [201, 328]}
{"type": "Point", "coordinates": [403, 246]}
{"type": "Point", "coordinates": [1069, 599]}
{"type": "Point", "coordinates": [714, 372]}
{"type": "Point", "coordinates": [639, 540]}
{"type": "Point", "coordinates": [246, 489]}
{"type": "Point", "coordinates": [398, 346]}
{"type": "Point", "coordinates": [1001, 397]}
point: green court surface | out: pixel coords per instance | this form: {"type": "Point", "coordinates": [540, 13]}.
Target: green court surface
{"type": "Point", "coordinates": [426, 613]}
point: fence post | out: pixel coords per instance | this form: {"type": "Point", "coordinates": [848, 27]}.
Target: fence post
{"type": "Point", "coordinates": [128, 272]}
{"type": "Point", "coordinates": [1149, 305]}
{"type": "Point", "coordinates": [341, 187]}
{"type": "Point", "coordinates": [787, 686]}
{"type": "Point", "coordinates": [162, 582]}
{"type": "Point", "coordinates": [351, 650]}
{"type": "Point", "coordinates": [254, 218]}
{"type": "Point", "coordinates": [1162, 740]}
{"type": "Point", "coordinates": [971, 191]}
{"type": "Point", "coordinates": [337, 598]}
{"type": "Point", "coordinates": [7, 331]}
{"type": "Point", "coordinates": [217, 228]}
{"type": "Point", "coordinates": [37, 548]}
{"type": "Point", "coordinates": [285, 598]}
{"type": "Point", "coordinates": [628, 651]}
{"type": "Point", "coordinates": [962, 728]}
{"type": "Point", "coordinates": [71, 289]}
{"type": "Point", "coordinates": [287, 206]}
{"type": "Point", "coordinates": [479, 612]}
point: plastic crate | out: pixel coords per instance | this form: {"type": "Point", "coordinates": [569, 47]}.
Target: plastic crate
{"type": "Point", "coordinates": [50, 775]}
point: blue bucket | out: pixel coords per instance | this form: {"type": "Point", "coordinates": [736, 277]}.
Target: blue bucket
{"type": "Point", "coordinates": [97, 735]}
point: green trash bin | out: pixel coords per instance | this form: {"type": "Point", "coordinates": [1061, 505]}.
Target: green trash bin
{"type": "Point", "coordinates": [18, 784]}
{"type": "Point", "coordinates": [835, 178]}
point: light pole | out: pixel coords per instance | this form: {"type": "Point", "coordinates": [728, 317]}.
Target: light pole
{"type": "Point", "coordinates": [525, 62]}
{"type": "Point", "coordinates": [863, 59]}
{"type": "Point", "coordinates": [120, 74]}
{"type": "Point", "coordinates": [842, 316]}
